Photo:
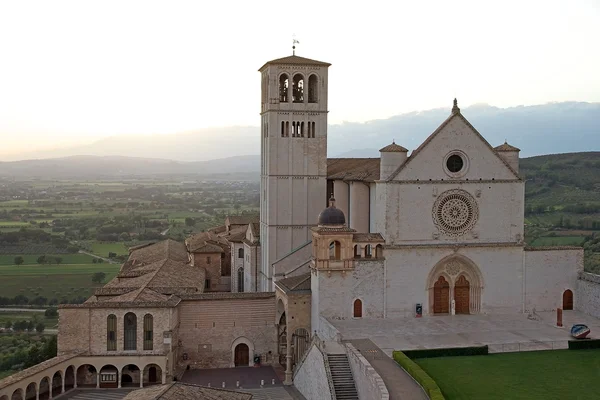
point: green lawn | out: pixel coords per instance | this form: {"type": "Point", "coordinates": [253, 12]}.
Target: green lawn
{"type": "Point", "coordinates": [103, 248]}
{"type": "Point", "coordinates": [31, 259]}
{"type": "Point", "coordinates": [52, 281]}
{"type": "Point", "coordinates": [547, 375]}
{"type": "Point", "coordinates": [558, 241]}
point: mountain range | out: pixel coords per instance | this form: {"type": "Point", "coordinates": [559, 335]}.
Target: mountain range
{"type": "Point", "coordinates": [541, 129]}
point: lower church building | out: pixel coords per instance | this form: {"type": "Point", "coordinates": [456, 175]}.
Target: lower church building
{"type": "Point", "coordinates": [435, 233]}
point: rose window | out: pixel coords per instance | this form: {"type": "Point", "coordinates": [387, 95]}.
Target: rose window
{"type": "Point", "coordinates": [455, 212]}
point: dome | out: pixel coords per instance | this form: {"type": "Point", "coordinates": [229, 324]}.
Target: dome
{"type": "Point", "coordinates": [332, 215]}
{"type": "Point", "coordinates": [393, 148]}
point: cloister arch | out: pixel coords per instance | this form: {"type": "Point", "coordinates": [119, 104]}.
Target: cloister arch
{"type": "Point", "coordinates": [31, 391]}
{"type": "Point", "coordinates": [109, 376]}
{"type": "Point", "coordinates": [87, 376]}
{"type": "Point", "coordinates": [130, 376]}
{"type": "Point", "coordinates": [57, 383]}
{"type": "Point", "coordinates": [69, 377]}
{"type": "Point", "coordinates": [17, 395]}
{"type": "Point", "coordinates": [459, 272]}
{"type": "Point", "coordinates": [44, 388]}
{"type": "Point", "coordinates": [152, 375]}
{"type": "Point", "coordinates": [4, 397]}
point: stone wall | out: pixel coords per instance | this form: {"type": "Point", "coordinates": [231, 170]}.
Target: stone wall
{"type": "Point", "coordinates": [311, 377]}
{"type": "Point", "coordinates": [368, 383]}
{"type": "Point", "coordinates": [549, 272]}
{"type": "Point", "coordinates": [587, 294]}
{"type": "Point", "coordinates": [211, 328]}
{"type": "Point", "coordinates": [327, 331]}
{"type": "Point", "coordinates": [74, 330]}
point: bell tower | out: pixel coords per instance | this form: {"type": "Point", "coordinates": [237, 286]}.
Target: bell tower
{"type": "Point", "coordinates": [293, 157]}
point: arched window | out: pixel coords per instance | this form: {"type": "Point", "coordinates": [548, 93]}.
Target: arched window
{"type": "Point", "coordinates": [302, 129]}
{"type": "Point", "coordinates": [298, 89]}
{"type": "Point", "coordinates": [356, 251]}
{"type": "Point", "coordinates": [309, 124]}
{"type": "Point", "coordinates": [130, 331]}
{"type": "Point", "coordinates": [313, 129]}
{"type": "Point", "coordinates": [282, 129]}
{"type": "Point", "coordinates": [313, 83]}
{"type": "Point", "coordinates": [368, 251]}
{"type": "Point", "coordinates": [241, 253]}
{"type": "Point", "coordinates": [287, 128]}
{"type": "Point", "coordinates": [357, 309]}
{"type": "Point", "coordinates": [111, 333]}
{"type": "Point", "coordinates": [335, 250]}
{"type": "Point", "coordinates": [284, 84]}
{"type": "Point", "coordinates": [293, 128]}
{"type": "Point", "coordinates": [379, 251]}
{"type": "Point", "coordinates": [240, 277]}
{"type": "Point", "coordinates": [148, 332]}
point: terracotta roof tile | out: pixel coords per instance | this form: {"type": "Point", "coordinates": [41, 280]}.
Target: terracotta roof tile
{"type": "Point", "coordinates": [294, 60]}
{"type": "Point", "coordinates": [206, 242]}
{"type": "Point", "coordinates": [368, 237]}
{"type": "Point", "coordinates": [167, 249]}
{"type": "Point", "coordinates": [295, 283]}
{"type": "Point", "coordinates": [353, 169]}
{"type": "Point", "coordinates": [506, 147]}
{"type": "Point", "coordinates": [26, 373]}
{"type": "Point", "coordinates": [393, 148]}
{"type": "Point", "coordinates": [242, 219]}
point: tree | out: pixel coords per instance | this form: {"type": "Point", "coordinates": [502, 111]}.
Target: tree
{"type": "Point", "coordinates": [189, 221]}
{"type": "Point", "coordinates": [58, 260]}
{"type": "Point", "coordinates": [51, 312]}
{"type": "Point", "coordinates": [41, 259]}
{"type": "Point", "coordinates": [98, 277]}
{"type": "Point", "coordinates": [30, 326]}
{"type": "Point", "coordinates": [19, 260]}
{"type": "Point", "coordinates": [8, 324]}
{"type": "Point", "coordinates": [40, 327]}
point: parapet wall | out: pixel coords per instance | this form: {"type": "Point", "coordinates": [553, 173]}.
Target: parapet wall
{"type": "Point", "coordinates": [587, 296]}
{"type": "Point", "coordinates": [311, 377]}
{"type": "Point", "coordinates": [368, 383]}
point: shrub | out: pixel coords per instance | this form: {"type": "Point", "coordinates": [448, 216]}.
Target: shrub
{"type": "Point", "coordinates": [427, 382]}
{"type": "Point", "coordinates": [584, 344]}
{"type": "Point", "coordinates": [449, 352]}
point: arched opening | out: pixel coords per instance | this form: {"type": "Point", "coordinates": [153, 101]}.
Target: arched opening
{"type": "Point", "coordinates": [302, 129]}
{"type": "Point", "coordinates": [44, 388]}
{"type": "Point", "coordinates": [17, 395]}
{"type": "Point", "coordinates": [357, 309]}
{"type": "Point", "coordinates": [148, 332]}
{"type": "Point", "coordinates": [4, 397]}
{"type": "Point", "coordinates": [240, 253]}
{"type": "Point", "coordinates": [86, 376]}
{"type": "Point", "coordinates": [567, 300]}
{"type": "Point", "coordinates": [313, 84]}
{"type": "Point", "coordinates": [298, 89]}
{"type": "Point", "coordinates": [130, 375]}
{"type": "Point", "coordinates": [152, 375]}
{"type": "Point", "coordinates": [309, 124]}
{"type": "Point", "coordinates": [240, 280]}
{"type": "Point", "coordinates": [461, 295]}
{"type": "Point", "coordinates": [69, 378]}
{"type": "Point", "coordinates": [441, 296]}
{"type": "Point", "coordinates": [109, 376]}
{"type": "Point", "coordinates": [284, 83]}
{"type": "Point", "coordinates": [287, 128]}
{"type": "Point", "coordinates": [356, 251]}
{"type": "Point", "coordinates": [111, 333]}
{"type": "Point", "coordinates": [130, 331]}
{"type": "Point", "coordinates": [282, 336]}
{"type": "Point", "coordinates": [313, 129]}
{"type": "Point", "coordinates": [293, 128]}
{"type": "Point", "coordinates": [242, 355]}
{"type": "Point", "coordinates": [282, 129]}
{"type": "Point", "coordinates": [335, 250]}
{"type": "Point", "coordinates": [30, 391]}
{"type": "Point", "coordinates": [379, 251]}
{"type": "Point", "coordinates": [368, 251]}
{"type": "Point", "coordinates": [56, 384]}
{"type": "Point", "coordinates": [300, 341]}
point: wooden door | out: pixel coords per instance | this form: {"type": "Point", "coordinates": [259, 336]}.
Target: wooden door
{"type": "Point", "coordinates": [242, 355]}
{"type": "Point", "coordinates": [567, 300]}
{"type": "Point", "coordinates": [441, 296]}
{"type": "Point", "coordinates": [357, 308]}
{"type": "Point", "coordinates": [461, 295]}
{"type": "Point", "coordinates": [152, 374]}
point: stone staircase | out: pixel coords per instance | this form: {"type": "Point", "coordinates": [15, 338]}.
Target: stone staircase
{"type": "Point", "coordinates": [341, 374]}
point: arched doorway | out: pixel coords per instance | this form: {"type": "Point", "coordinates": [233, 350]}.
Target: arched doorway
{"type": "Point", "coordinates": [30, 391]}
{"type": "Point", "coordinates": [461, 295]}
{"type": "Point", "coordinates": [69, 378]}
{"type": "Point", "coordinates": [567, 300]}
{"type": "Point", "coordinates": [441, 296]}
{"type": "Point", "coordinates": [357, 309]}
{"type": "Point", "coordinates": [86, 376]}
{"type": "Point", "coordinates": [130, 376]}
{"type": "Point", "coordinates": [44, 388]}
{"type": "Point", "coordinates": [242, 355]}
{"type": "Point", "coordinates": [56, 384]}
{"type": "Point", "coordinates": [152, 375]}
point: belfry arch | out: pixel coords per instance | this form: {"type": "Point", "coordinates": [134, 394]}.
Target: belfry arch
{"type": "Point", "coordinates": [459, 272]}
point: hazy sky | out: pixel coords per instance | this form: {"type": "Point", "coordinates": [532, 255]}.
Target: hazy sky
{"type": "Point", "coordinates": [74, 71]}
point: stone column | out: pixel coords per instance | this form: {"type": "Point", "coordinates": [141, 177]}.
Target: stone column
{"type": "Point", "coordinates": [164, 376]}
{"type": "Point", "coordinates": [74, 378]}
{"type": "Point", "coordinates": [63, 383]}
{"type": "Point", "coordinates": [98, 380]}
{"type": "Point", "coordinates": [288, 361]}
{"type": "Point", "coordinates": [37, 393]}
{"type": "Point", "coordinates": [118, 379]}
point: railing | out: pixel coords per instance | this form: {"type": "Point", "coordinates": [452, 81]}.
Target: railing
{"type": "Point", "coordinates": [338, 265]}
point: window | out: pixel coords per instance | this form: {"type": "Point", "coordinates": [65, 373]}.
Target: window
{"type": "Point", "coordinates": [282, 129]}
{"type": "Point", "coordinates": [313, 129]}
{"type": "Point", "coordinates": [301, 129]}
{"type": "Point", "coordinates": [148, 332]}
{"type": "Point", "coordinates": [298, 89]}
{"type": "Point", "coordinates": [208, 260]}
{"type": "Point", "coordinates": [335, 250]}
{"type": "Point", "coordinates": [241, 253]}
{"type": "Point", "coordinates": [283, 88]}
{"type": "Point", "coordinates": [207, 284]}
{"type": "Point", "coordinates": [130, 331]}
{"type": "Point", "coordinates": [313, 82]}
{"type": "Point", "coordinates": [454, 163]}
{"type": "Point", "coordinates": [287, 128]}
{"type": "Point", "coordinates": [240, 278]}
{"type": "Point", "coordinates": [368, 251]}
{"type": "Point", "coordinates": [357, 309]}
{"type": "Point", "coordinates": [111, 333]}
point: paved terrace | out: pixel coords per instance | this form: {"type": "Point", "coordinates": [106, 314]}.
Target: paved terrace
{"type": "Point", "coordinates": [514, 332]}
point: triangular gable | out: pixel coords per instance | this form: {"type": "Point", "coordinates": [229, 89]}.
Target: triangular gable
{"type": "Point", "coordinates": [455, 118]}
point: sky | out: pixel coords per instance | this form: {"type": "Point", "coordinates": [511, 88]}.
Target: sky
{"type": "Point", "coordinates": [72, 72]}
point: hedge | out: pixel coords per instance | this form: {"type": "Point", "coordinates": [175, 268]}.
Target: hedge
{"type": "Point", "coordinates": [449, 352]}
{"type": "Point", "coordinates": [584, 344]}
{"type": "Point", "coordinates": [431, 388]}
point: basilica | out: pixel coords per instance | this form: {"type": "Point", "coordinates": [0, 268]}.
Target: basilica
{"type": "Point", "coordinates": [436, 230]}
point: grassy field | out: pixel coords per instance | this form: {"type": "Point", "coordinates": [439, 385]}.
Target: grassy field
{"type": "Point", "coordinates": [102, 249]}
{"type": "Point", "coordinates": [53, 281]}
{"type": "Point", "coordinates": [556, 374]}
{"type": "Point", "coordinates": [558, 241]}
{"type": "Point", "coordinates": [30, 259]}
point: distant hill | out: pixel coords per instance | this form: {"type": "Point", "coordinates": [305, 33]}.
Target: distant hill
{"type": "Point", "coordinates": [542, 129]}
